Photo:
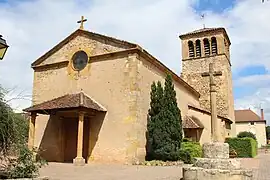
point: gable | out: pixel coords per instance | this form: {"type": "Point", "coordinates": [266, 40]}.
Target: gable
{"type": "Point", "coordinates": [92, 43]}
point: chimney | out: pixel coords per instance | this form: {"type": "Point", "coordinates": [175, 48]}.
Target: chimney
{"type": "Point", "coordinates": [262, 114]}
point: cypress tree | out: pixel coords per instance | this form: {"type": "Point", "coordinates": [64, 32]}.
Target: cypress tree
{"type": "Point", "coordinates": [156, 97]}
{"type": "Point", "coordinates": [165, 124]}
{"type": "Point", "coordinates": [173, 113]}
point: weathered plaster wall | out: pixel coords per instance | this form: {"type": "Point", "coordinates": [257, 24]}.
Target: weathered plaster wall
{"type": "Point", "coordinates": [258, 129]}
{"type": "Point", "coordinates": [108, 81]}
{"type": "Point", "coordinates": [205, 119]}
{"type": "Point", "coordinates": [147, 74]}
{"type": "Point", "coordinates": [109, 89]}
{"type": "Point", "coordinates": [92, 45]}
{"type": "Point", "coordinates": [48, 136]}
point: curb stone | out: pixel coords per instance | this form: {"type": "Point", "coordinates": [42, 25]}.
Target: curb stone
{"type": "Point", "coordinates": [38, 178]}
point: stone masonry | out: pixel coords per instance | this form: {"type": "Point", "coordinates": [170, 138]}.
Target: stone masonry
{"type": "Point", "coordinates": [216, 165]}
{"type": "Point", "coordinates": [192, 67]}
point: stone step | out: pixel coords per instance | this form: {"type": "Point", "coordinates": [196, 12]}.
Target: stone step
{"type": "Point", "coordinates": [225, 164]}
{"type": "Point", "coordinates": [197, 173]}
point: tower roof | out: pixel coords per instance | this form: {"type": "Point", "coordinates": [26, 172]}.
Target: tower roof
{"type": "Point", "coordinates": [205, 30]}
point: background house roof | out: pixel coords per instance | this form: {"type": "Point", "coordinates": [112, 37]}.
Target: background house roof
{"type": "Point", "coordinates": [247, 115]}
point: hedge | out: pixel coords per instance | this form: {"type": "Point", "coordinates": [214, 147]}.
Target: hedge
{"type": "Point", "coordinates": [244, 147]}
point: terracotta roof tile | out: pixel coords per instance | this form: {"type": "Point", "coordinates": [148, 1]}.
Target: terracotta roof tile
{"type": "Point", "coordinates": [200, 109]}
{"type": "Point", "coordinates": [67, 101]}
{"type": "Point", "coordinates": [246, 115]}
{"type": "Point", "coordinates": [201, 30]}
{"type": "Point", "coordinates": [192, 123]}
{"type": "Point", "coordinates": [206, 30]}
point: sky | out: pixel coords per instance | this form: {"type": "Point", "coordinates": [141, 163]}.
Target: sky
{"type": "Point", "coordinates": [32, 27]}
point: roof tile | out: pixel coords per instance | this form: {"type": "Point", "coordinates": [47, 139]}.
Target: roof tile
{"type": "Point", "coordinates": [246, 115]}
{"type": "Point", "coordinates": [192, 123]}
{"type": "Point", "coordinates": [67, 101]}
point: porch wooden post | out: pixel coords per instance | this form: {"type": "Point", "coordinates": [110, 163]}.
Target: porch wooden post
{"type": "Point", "coordinates": [79, 160]}
{"type": "Point", "coordinates": [31, 135]}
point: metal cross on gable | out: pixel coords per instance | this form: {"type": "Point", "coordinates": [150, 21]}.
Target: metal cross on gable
{"type": "Point", "coordinates": [81, 22]}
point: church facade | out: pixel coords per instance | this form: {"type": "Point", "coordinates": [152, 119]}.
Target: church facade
{"type": "Point", "coordinates": [91, 95]}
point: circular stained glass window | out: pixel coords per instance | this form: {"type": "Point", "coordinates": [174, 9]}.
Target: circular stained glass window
{"type": "Point", "coordinates": [79, 60]}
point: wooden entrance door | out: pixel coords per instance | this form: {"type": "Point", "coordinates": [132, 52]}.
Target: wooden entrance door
{"type": "Point", "coordinates": [71, 133]}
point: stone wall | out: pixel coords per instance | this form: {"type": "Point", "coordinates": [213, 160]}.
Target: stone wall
{"type": "Point", "coordinates": [193, 67]}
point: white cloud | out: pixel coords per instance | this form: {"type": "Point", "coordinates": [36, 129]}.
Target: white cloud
{"type": "Point", "coordinates": [33, 27]}
{"type": "Point", "coordinates": [255, 81]}
{"type": "Point", "coordinates": [256, 101]}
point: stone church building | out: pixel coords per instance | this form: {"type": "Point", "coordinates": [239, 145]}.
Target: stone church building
{"type": "Point", "coordinates": [91, 95]}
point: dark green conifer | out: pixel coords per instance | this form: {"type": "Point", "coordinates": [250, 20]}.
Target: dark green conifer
{"type": "Point", "coordinates": [164, 123]}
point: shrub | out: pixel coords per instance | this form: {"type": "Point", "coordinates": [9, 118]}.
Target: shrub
{"type": "Point", "coordinates": [193, 148]}
{"type": "Point", "coordinates": [184, 156]}
{"type": "Point", "coordinates": [25, 166]}
{"type": "Point", "coordinates": [187, 140]}
{"type": "Point", "coordinates": [17, 159]}
{"type": "Point", "coordinates": [268, 132]}
{"type": "Point", "coordinates": [245, 134]}
{"type": "Point", "coordinates": [244, 147]}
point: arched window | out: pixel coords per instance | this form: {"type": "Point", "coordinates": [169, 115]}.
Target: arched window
{"type": "Point", "coordinates": [191, 49]}
{"type": "Point", "coordinates": [214, 45]}
{"type": "Point", "coordinates": [206, 47]}
{"type": "Point", "coordinates": [198, 48]}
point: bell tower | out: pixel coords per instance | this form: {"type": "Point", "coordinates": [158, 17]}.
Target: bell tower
{"type": "Point", "coordinates": [199, 49]}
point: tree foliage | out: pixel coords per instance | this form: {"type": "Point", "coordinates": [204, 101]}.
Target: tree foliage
{"type": "Point", "coordinates": [164, 130]}
{"type": "Point", "coordinates": [13, 127]}
{"type": "Point", "coordinates": [14, 153]}
{"type": "Point", "coordinates": [244, 134]}
{"type": "Point", "coordinates": [268, 132]}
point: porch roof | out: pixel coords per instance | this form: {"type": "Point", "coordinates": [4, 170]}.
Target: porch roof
{"type": "Point", "coordinates": [68, 101]}
{"type": "Point", "coordinates": [191, 122]}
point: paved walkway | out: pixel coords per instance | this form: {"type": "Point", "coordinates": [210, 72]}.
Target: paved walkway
{"type": "Point", "coordinates": [260, 166]}
{"type": "Point", "coordinates": [61, 171]}
{"type": "Point", "coordinates": [57, 171]}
